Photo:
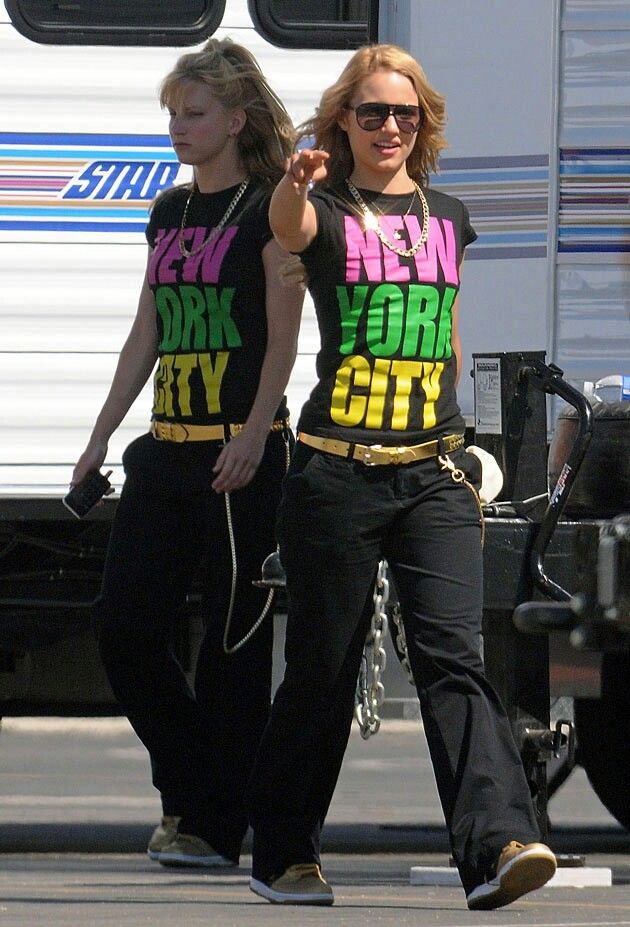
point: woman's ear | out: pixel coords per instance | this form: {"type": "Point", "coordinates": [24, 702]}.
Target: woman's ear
{"type": "Point", "coordinates": [342, 121]}
{"type": "Point", "coordinates": [237, 122]}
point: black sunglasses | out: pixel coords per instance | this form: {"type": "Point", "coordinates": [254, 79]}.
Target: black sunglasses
{"type": "Point", "coordinates": [371, 116]}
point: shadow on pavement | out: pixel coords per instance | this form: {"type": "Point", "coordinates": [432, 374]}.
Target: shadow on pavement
{"type": "Point", "coordinates": [337, 838]}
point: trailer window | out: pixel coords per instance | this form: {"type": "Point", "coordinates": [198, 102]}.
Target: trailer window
{"type": "Point", "coordinates": [127, 22]}
{"type": "Point", "coordinates": [315, 23]}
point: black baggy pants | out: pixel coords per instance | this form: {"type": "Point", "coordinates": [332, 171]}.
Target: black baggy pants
{"type": "Point", "coordinates": [337, 520]}
{"type": "Point", "coordinates": [169, 528]}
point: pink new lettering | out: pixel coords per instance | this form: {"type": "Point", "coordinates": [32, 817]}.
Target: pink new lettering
{"type": "Point", "coordinates": [166, 258]}
{"type": "Point", "coordinates": [440, 250]}
{"type": "Point", "coordinates": [362, 249]}
{"type": "Point", "coordinates": [394, 270]}
{"type": "Point", "coordinates": [163, 239]}
{"type": "Point", "coordinates": [166, 272]}
{"type": "Point", "coordinates": [213, 255]}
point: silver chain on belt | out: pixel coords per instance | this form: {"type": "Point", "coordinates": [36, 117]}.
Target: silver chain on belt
{"type": "Point", "coordinates": [370, 692]}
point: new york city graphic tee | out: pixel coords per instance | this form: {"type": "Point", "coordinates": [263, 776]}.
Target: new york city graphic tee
{"type": "Point", "coordinates": [386, 368]}
{"type": "Point", "coordinates": [211, 316]}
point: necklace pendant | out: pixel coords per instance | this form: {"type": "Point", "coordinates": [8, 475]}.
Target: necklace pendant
{"type": "Point", "coordinates": [370, 222]}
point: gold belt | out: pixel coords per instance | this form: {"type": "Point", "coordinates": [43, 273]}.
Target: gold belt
{"type": "Point", "coordinates": [178, 432]}
{"type": "Point", "coordinates": [376, 454]}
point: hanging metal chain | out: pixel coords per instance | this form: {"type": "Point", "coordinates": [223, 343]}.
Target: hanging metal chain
{"type": "Point", "coordinates": [401, 641]}
{"type": "Point", "coordinates": [370, 692]}
{"type": "Point", "coordinates": [458, 476]}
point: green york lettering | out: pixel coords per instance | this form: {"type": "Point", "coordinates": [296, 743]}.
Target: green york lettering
{"type": "Point", "coordinates": [196, 320]}
{"type": "Point", "coordinates": [409, 322]}
{"type": "Point", "coordinates": [350, 311]}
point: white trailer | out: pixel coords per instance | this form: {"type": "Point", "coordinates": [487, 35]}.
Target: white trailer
{"type": "Point", "coordinates": [84, 148]}
{"type": "Point", "coordinates": [538, 100]}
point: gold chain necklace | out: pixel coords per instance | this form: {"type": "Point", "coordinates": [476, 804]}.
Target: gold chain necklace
{"type": "Point", "coordinates": [370, 221]}
{"type": "Point", "coordinates": [373, 225]}
{"type": "Point", "coordinates": [217, 228]}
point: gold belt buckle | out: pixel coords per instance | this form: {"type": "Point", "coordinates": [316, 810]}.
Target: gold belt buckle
{"type": "Point", "coordinates": [367, 455]}
{"type": "Point", "coordinates": [401, 455]}
{"type": "Point", "coordinates": [377, 454]}
{"type": "Point", "coordinates": [172, 431]}
{"type": "Point", "coordinates": [398, 455]}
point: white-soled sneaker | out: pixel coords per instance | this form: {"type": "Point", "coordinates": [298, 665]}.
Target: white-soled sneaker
{"type": "Point", "coordinates": [299, 884]}
{"type": "Point", "coordinates": [163, 834]}
{"type": "Point", "coordinates": [521, 868]}
{"type": "Point", "coordinates": [193, 851]}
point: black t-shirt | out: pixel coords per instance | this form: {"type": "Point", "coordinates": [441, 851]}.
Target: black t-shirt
{"type": "Point", "coordinates": [386, 367]}
{"type": "Point", "coordinates": [211, 307]}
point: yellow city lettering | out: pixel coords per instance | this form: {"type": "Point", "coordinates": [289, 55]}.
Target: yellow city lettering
{"type": "Point", "coordinates": [404, 372]}
{"type": "Point", "coordinates": [360, 393]}
{"type": "Point", "coordinates": [184, 363]}
{"type": "Point", "coordinates": [212, 377]}
{"type": "Point", "coordinates": [162, 383]}
{"type": "Point", "coordinates": [431, 375]}
{"type": "Point", "coordinates": [346, 409]}
{"type": "Point", "coordinates": [173, 378]}
{"type": "Point", "coordinates": [378, 394]}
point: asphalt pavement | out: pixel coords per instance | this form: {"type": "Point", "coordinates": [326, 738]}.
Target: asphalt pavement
{"type": "Point", "coordinates": [77, 808]}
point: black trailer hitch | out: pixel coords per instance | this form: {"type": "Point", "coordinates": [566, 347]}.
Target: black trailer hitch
{"type": "Point", "coordinates": [532, 617]}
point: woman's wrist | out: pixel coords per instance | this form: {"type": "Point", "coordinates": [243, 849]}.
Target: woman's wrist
{"type": "Point", "coordinates": [97, 441]}
{"type": "Point", "coordinates": [300, 186]}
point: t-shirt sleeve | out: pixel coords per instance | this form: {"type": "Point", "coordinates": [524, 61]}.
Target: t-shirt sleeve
{"type": "Point", "coordinates": [151, 228]}
{"type": "Point", "coordinates": [468, 233]}
{"type": "Point", "coordinates": [322, 243]}
{"type": "Point", "coordinates": [260, 216]}
{"type": "Point", "coordinates": [159, 214]}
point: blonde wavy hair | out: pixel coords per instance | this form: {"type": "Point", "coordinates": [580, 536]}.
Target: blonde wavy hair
{"type": "Point", "coordinates": [235, 79]}
{"type": "Point", "coordinates": [324, 127]}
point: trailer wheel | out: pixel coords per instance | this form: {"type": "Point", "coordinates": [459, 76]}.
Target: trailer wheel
{"type": "Point", "coordinates": [603, 737]}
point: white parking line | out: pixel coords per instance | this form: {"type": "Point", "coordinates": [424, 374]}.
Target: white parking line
{"type": "Point", "coordinates": [94, 727]}
{"type": "Point", "coordinates": [62, 801]}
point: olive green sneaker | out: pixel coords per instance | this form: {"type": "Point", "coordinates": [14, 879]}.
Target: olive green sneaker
{"type": "Point", "coordinates": [299, 884]}
{"type": "Point", "coordinates": [193, 851]}
{"type": "Point", "coordinates": [163, 834]}
{"type": "Point", "coordinates": [520, 869]}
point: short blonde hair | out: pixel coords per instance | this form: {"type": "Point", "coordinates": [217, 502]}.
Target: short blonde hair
{"type": "Point", "coordinates": [236, 81]}
{"type": "Point", "coordinates": [324, 127]}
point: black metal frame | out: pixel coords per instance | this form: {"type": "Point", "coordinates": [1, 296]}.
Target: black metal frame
{"type": "Point", "coordinates": [312, 33]}
{"type": "Point", "coordinates": [149, 35]}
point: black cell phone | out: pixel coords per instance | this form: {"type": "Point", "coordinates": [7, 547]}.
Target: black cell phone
{"type": "Point", "coordinates": [87, 493]}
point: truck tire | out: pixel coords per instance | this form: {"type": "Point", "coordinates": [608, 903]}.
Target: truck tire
{"type": "Point", "coordinates": [603, 740]}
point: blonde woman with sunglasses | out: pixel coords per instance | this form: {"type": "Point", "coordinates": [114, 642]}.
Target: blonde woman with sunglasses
{"type": "Point", "coordinates": [380, 472]}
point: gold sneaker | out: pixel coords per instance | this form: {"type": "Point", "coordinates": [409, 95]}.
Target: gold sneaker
{"type": "Point", "coordinates": [190, 850]}
{"type": "Point", "coordinates": [299, 884]}
{"type": "Point", "coordinates": [520, 869]}
{"type": "Point", "coordinates": [163, 834]}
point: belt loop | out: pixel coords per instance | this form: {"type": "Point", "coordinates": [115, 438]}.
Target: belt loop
{"type": "Point", "coordinates": [442, 452]}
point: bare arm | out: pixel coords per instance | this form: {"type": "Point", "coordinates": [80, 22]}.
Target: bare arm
{"type": "Point", "coordinates": [135, 363]}
{"type": "Point", "coordinates": [292, 218]}
{"type": "Point", "coordinates": [239, 459]}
